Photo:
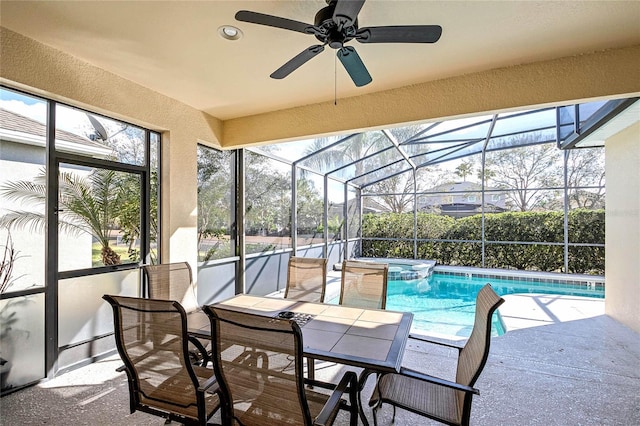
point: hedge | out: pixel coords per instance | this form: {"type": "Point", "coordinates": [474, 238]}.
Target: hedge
{"type": "Point", "coordinates": [585, 226]}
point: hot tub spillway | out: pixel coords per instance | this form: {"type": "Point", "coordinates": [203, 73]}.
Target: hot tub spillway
{"type": "Point", "coordinates": [417, 272]}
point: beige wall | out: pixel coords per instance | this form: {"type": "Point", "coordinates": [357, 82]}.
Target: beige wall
{"type": "Point", "coordinates": [605, 74]}
{"type": "Point", "coordinates": [622, 261]}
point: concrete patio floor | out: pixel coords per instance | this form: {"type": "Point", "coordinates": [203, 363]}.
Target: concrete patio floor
{"type": "Point", "coordinates": [562, 362]}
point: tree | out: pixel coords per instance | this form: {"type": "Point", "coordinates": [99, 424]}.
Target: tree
{"type": "Point", "coordinates": [395, 192]}
{"type": "Point", "coordinates": [267, 195]}
{"type": "Point", "coordinates": [86, 204]}
{"type": "Point", "coordinates": [129, 211]}
{"type": "Point", "coordinates": [352, 149]}
{"type": "Point", "coordinates": [525, 171]}
{"type": "Point", "coordinates": [215, 181]}
{"type": "Point", "coordinates": [585, 168]}
{"type": "Point", "coordinates": [487, 176]}
{"type": "Point", "coordinates": [464, 169]}
{"type": "Point", "coordinates": [309, 207]}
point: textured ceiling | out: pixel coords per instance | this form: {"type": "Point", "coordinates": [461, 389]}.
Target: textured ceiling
{"type": "Point", "coordinates": [174, 47]}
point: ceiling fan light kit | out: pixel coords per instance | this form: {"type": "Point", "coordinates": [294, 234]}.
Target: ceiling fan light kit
{"type": "Point", "coordinates": [335, 25]}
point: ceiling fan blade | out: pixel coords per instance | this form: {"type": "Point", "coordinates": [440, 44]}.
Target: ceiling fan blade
{"type": "Point", "coordinates": [298, 60]}
{"type": "Point", "coordinates": [346, 12]}
{"type": "Point", "coordinates": [354, 66]}
{"type": "Point", "coordinates": [273, 21]}
{"type": "Point", "coordinates": [400, 34]}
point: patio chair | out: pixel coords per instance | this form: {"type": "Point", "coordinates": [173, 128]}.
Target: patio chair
{"type": "Point", "coordinates": [438, 399]}
{"type": "Point", "coordinates": [151, 337]}
{"type": "Point", "coordinates": [173, 281]}
{"type": "Point", "coordinates": [306, 279]}
{"type": "Point", "coordinates": [364, 284]}
{"type": "Point", "coordinates": [258, 361]}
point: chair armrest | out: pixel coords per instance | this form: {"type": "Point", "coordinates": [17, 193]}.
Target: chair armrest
{"type": "Point", "coordinates": [435, 342]}
{"type": "Point", "coordinates": [348, 382]}
{"type": "Point", "coordinates": [438, 381]}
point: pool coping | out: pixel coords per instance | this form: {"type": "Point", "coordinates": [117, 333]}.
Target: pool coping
{"type": "Point", "coordinates": [589, 281]}
{"type": "Point", "coordinates": [497, 273]}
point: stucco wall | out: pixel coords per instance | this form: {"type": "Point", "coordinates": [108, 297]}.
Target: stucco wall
{"type": "Point", "coordinates": [622, 261]}
{"type": "Point", "coordinates": [603, 74]}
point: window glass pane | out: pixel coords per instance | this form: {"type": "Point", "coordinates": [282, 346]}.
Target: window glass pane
{"type": "Point", "coordinates": [154, 155]}
{"type": "Point", "coordinates": [293, 151]}
{"type": "Point", "coordinates": [22, 325]}
{"type": "Point", "coordinates": [99, 217]}
{"type": "Point", "coordinates": [216, 193]}
{"type": "Point", "coordinates": [310, 208]}
{"type": "Point", "coordinates": [585, 171]}
{"type": "Point", "coordinates": [83, 133]}
{"type": "Point", "coordinates": [587, 110]}
{"type": "Point", "coordinates": [389, 168]}
{"type": "Point", "coordinates": [336, 210]}
{"type": "Point", "coordinates": [82, 313]}
{"type": "Point", "coordinates": [566, 121]}
{"type": "Point", "coordinates": [267, 204]}
{"type": "Point", "coordinates": [586, 193]}
{"type": "Point", "coordinates": [353, 213]}
{"type": "Point", "coordinates": [22, 199]}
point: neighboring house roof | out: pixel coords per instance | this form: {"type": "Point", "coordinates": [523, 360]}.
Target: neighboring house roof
{"type": "Point", "coordinates": [18, 128]}
{"type": "Point", "coordinates": [369, 206]}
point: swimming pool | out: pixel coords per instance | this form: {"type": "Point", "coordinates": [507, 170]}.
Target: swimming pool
{"type": "Point", "coordinates": [444, 302]}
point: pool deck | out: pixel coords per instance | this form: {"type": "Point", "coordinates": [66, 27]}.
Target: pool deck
{"type": "Point", "coordinates": [561, 362]}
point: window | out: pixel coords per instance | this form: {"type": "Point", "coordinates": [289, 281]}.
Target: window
{"type": "Point", "coordinates": [99, 217]}
{"type": "Point", "coordinates": [267, 204]}
{"type": "Point", "coordinates": [216, 192]}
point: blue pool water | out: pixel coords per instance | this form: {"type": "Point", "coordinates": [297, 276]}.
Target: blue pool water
{"type": "Point", "coordinates": [445, 303]}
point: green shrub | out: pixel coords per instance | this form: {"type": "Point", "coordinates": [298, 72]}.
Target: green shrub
{"type": "Point", "coordinates": [585, 226]}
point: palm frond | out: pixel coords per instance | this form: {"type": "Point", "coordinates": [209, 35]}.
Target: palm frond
{"type": "Point", "coordinates": [25, 192]}
{"type": "Point", "coordinates": [34, 222]}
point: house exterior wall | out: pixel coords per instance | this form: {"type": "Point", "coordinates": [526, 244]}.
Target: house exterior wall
{"type": "Point", "coordinates": [622, 258]}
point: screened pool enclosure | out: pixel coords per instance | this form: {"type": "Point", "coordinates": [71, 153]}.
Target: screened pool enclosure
{"type": "Point", "coordinates": [518, 190]}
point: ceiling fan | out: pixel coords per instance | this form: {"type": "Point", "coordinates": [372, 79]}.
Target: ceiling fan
{"type": "Point", "coordinates": [335, 25]}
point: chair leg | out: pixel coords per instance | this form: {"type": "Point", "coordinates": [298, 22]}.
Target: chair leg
{"type": "Point", "coordinates": [393, 419]}
{"type": "Point", "coordinates": [375, 414]}
{"type": "Point", "coordinates": [311, 368]}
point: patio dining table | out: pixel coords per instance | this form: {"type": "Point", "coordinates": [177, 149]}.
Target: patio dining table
{"type": "Point", "coordinates": [371, 339]}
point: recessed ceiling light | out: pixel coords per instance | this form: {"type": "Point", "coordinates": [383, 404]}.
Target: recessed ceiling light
{"type": "Point", "coordinates": [229, 32]}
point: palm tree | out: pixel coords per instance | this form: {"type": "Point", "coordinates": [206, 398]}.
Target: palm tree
{"type": "Point", "coordinates": [464, 169]}
{"type": "Point", "coordinates": [86, 204]}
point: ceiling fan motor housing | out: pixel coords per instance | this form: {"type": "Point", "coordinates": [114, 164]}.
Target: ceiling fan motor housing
{"type": "Point", "coordinates": [329, 32]}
